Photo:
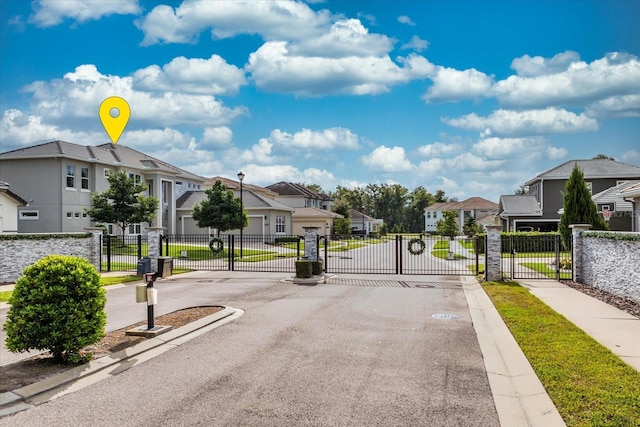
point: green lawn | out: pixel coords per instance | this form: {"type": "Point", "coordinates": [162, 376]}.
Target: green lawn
{"type": "Point", "coordinates": [543, 268]}
{"type": "Point", "coordinates": [472, 267]}
{"type": "Point", "coordinates": [467, 244]}
{"type": "Point", "coordinates": [536, 254]}
{"type": "Point", "coordinates": [4, 296]}
{"type": "Point", "coordinates": [589, 385]}
{"type": "Point", "coordinates": [441, 244]}
{"type": "Point", "coordinates": [442, 253]}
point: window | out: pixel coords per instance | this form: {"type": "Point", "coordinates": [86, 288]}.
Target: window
{"type": "Point", "coordinates": [71, 176]}
{"type": "Point", "coordinates": [84, 178]}
{"type": "Point", "coordinates": [589, 186]}
{"type": "Point", "coordinates": [106, 173]}
{"type": "Point", "coordinates": [134, 229]}
{"type": "Point", "coordinates": [76, 215]}
{"type": "Point", "coordinates": [137, 179]}
{"type": "Point", "coordinates": [69, 215]}
{"type": "Point", "coordinates": [29, 215]}
{"type": "Point", "coordinates": [428, 214]}
{"type": "Point", "coordinates": [280, 224]}
{"type": "Point", "coordinates": [84, 215]}
{"type": "Point", "coordinates": [110, 229]}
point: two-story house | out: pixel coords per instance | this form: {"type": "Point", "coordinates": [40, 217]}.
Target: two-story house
{"type": "Point", "coordinates": [58, 178]}
{"type": "Point", "coordinates": [299, 196]}
{"type": "Point", "coordinates": [481, 209]}
{"type": "Point", "coordinates": [548, 187]}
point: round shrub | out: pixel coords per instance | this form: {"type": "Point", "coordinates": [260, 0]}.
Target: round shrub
{"type": "Point", "coordinates": [57, 305]}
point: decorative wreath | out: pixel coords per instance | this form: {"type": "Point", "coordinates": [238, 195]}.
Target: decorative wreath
{"type": "Point", "coordinates": [421, 246]}
{"type": "Point", "coordinates": [216, 244]}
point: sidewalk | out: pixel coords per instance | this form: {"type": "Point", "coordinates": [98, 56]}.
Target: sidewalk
{"type": "Point", "coordinates": [613, 328]}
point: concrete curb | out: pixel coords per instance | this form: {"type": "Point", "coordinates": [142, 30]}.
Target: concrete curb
{"type": "Point", "coordinates": [519, 396]}
{"type": "Point", "coordinates": [113, 364]}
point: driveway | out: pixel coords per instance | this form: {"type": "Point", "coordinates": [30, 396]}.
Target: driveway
{"type": "Point", "coordinates": [356, 351]}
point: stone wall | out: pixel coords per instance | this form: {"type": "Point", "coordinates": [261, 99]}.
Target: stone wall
{"type": "Point", "coordinates": [21, 250]}
{"type": "Point", "coordinates": [611, 261]}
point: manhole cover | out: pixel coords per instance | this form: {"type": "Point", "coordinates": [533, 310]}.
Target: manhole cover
{"type": "Point", "coordinates": [446, 316]}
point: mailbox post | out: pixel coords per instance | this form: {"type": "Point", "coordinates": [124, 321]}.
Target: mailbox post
{"type": "Point", "coordinates": [152, 297]}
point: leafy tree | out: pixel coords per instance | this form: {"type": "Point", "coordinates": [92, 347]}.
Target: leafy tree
{"type": "Point", "coordinates": [57, 305]}
{"type": "Point", "coordinates": [341, 226]}
{"type": "Point", "coordinates": [471, 227]}
{"type": "Point", "coordinates": [578, 206]}
{"type": "Point", "coordinates": [220, 210]}
{"type": "Point", "coordinates": [419, 198]}
{"type": "Point", "coordinates": [341, 207]}
{"type": "Point", "coordinates": [448, 226]}
{"type": "Point", "coordinates": [383, 230]}
{"type": "Point", "coordinates": [122, 203]}
{"type": "Point", "coordinates": [522, 190]}
{"type": "Point", "coordinates": [603, 156]}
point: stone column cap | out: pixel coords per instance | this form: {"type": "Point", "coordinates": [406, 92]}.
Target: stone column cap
{"type": "Point", "coordinates": [156, 228]}
{"type": "Point", "coordinates": [580, 226]}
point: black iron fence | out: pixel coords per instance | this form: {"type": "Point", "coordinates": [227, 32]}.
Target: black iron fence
{"type": "Point", "coordinates": [536, 256]}
{"type": "Point", "coordinates": [524, 256]}
{"type": "Point", "coordinates": [121, 253]}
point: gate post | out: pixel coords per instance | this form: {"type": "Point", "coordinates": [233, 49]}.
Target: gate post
{"type": "Point", "coordinates": [95, 255]}
{"type": "Point", "coordinates": [493, 269]}
{"type": "Point", "coordinates": [154, 235]}
{"type": "Point", "coordinates": [576, 264]}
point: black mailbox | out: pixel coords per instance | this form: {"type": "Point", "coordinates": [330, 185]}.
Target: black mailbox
{"type": "Point", "coordinates": [144, 266]}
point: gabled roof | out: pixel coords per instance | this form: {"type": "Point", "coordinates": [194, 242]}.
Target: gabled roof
{"type": "Point", "coordinates": [291, 189]}
{"type": "Point", "coordinates": [519, 205]}
{"type": "Point", "coordinates": [314, 213]}
{"type": "Point", "coordinates": [592, 169]}
{"type": "Point", "coordinates": [358, 216]}
{"type": "Point", "coordinates": [631, 191]}
{"type": "Point", "coordinates": [612, 195]}
{"type": "Point", "coordinates": [471, 203]}
{"type": "Point", "coordinates": [115, 155]}
{"type": "Point", "coordinates": [235, 185]}
{"type": "Point", "coordinates": [251, 201]}
{"type": "Point", "coordinates": [4, 188]}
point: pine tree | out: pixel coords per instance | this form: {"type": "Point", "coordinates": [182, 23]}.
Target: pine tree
{"type": "Point", "coordinates": [578, 207]}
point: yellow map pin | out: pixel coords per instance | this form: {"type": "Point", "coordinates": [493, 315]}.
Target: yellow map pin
{"type": "Point", "coordinates": [114, 114]}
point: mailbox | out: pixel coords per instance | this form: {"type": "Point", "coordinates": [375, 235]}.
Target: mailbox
{"type": "Point", "coordinates": [144, 266]}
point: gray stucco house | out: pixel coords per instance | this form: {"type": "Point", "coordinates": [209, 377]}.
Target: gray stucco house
{"type": "Point", "coordinates": [548, 187]}
{"type": "Point", "coordinates": [57, 179]}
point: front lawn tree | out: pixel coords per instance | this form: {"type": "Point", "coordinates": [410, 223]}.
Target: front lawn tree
{"type": "Point", "coordinates": [578, 207]}
{"type": "Point", "coordinates": [220, 210]}
{"type": "Point", "coordinates": [123, 203]}
{"type": "Point", "coordinates": [448, 225]}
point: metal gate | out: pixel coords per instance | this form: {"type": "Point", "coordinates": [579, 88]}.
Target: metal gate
{"type": "Point", "coordinates": [121, 253]}
{"type": "Point", "coordinates": [536, 256]}
{"type": "Point", "coordinates": [341, 254]}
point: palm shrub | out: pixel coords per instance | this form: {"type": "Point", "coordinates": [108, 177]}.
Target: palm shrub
{"type": "Point", "coordinates": [57, 305]}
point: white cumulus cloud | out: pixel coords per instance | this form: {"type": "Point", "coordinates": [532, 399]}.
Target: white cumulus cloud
{"type": "Point", "coordinates": [212, 76]}
{"type": "Point", "coordinates": [388, 159]}
{"type": "Point", "coordinates": [47, 13]}
{"type": "Point", "coordinates": [416, 43]}
{"type": "Point", "coordinates": [327, 139]}
{"type": "Point", "coordinates": [450, 85]}
{"type": "Point", "coordinates": [438, 149]}
{"type": "Point", "coordinates": [525, 123]}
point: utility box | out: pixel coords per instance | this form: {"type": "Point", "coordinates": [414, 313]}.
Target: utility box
{"type": "Point", "coordinates": [144, 266]}
{"type": "Point", "coordinates": [165, 266]}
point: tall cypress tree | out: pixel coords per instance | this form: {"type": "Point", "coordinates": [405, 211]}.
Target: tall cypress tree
{"type": "Point", "coordinates": [579, 207]}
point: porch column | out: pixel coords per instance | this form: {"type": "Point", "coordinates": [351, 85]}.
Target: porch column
{"type": "Point", "coordinates": [493, 267]}
{"type": "Point", "coordinates": [576, 230]}
{"type": "Point", "coordinates": [153, 242]}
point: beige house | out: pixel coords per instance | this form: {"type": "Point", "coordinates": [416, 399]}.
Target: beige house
{"type": "Point", "coordinates": [299, 196]}
{"type": "Point", "coordinates": [481, 209]}
{"type": "Point", "coordinates": [314, 217]}
{"type": "Point", "coordinates": [9, 204]}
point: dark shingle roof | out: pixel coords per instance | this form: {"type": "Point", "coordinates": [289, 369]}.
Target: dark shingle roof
{"type": "Point", "coordinates": [468, 204]}
{"type": "Point", "coordinates": [250, 200]}
{"type": "Point", "coordinates": [519, 205]}
{"type": "Point", "coordinates": [292, 189]}
{"type": "Point", "coordinates": [592, 169]}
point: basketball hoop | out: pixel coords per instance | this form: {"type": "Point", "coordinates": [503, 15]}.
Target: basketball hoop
{"type": "Point", "coordinates": [607, 215]}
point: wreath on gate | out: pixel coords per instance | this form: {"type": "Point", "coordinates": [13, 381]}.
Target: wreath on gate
{"type": "Point", "coordinates": [216, 245]}
{"type": "Point", "coordinates": [421, 246]}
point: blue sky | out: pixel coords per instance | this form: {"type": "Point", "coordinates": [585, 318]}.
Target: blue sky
{"type": "Point", "coordinates": [471, 97]}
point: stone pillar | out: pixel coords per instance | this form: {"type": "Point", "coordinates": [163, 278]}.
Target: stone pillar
{"type": "Point", "coordinates": [154, 245]}
{"type": "Point", "coordinates": [311, 243]}
{"type": "Point", "coordinates": [95, 253]}
{"type": "Point", "coordinates": [576, 230]}
{"type": "Point", "coordinates": [493, 257]}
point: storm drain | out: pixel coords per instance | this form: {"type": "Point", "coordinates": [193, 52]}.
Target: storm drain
{"type": "Point", "coordinates": [393, 283]}
{"type": "Point", "coordinates": [446, 316]}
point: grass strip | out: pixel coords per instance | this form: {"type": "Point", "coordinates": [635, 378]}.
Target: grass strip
{"type": "Point", "coordinates": [589, 384]}
{"type": "Point", "coordinates": [5, 295]}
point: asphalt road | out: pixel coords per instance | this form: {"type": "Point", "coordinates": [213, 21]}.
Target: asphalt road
{"type": "Point", "coordinates": [361, 351]}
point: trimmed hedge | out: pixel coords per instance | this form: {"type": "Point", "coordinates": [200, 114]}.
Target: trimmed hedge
{"type": "Point", "coordinates": [44, 236]}
{"type": "Point", "coordinates": [613, 235]}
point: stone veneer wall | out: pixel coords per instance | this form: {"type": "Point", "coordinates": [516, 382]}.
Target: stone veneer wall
{"type": "Point", "coordinates": [611, 261]}
{"type": "Point", "coordinates": [18, 251]}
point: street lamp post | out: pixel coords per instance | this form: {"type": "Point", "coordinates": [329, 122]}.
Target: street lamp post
{"type": "Point", "coordinates": [241, 177]}
{"type": "Point", "coordinates": [364, 233]}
